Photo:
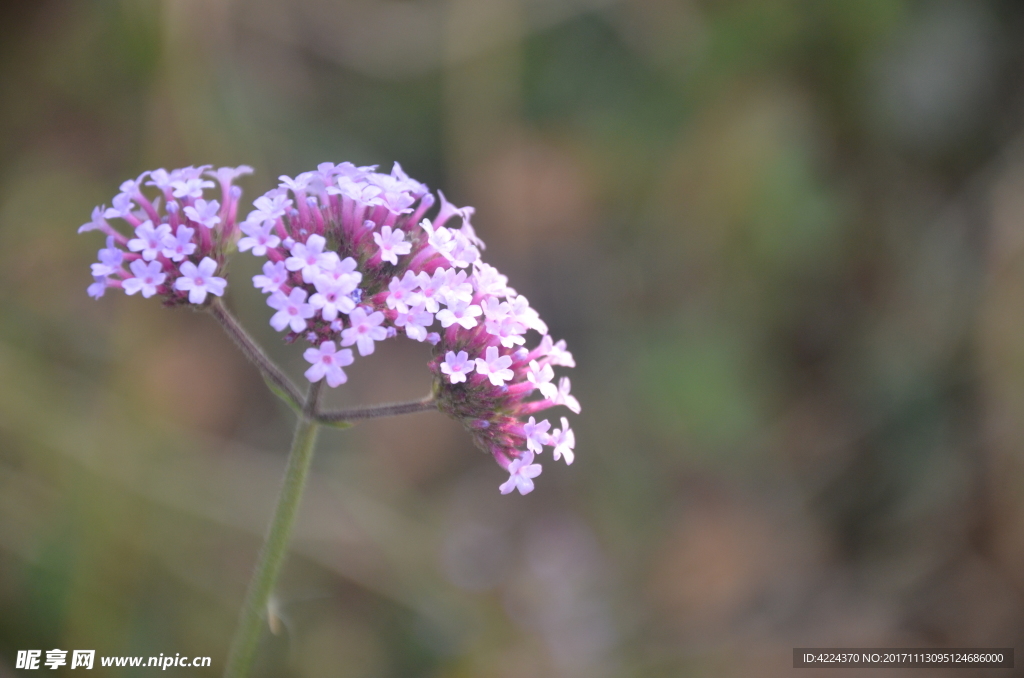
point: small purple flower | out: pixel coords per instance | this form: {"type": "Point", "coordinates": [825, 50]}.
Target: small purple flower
{"type": "Point", "coordinates": [269, 208]}
{"type": "Point", "coordinates": [564, 398]}
{"type": "Point", "coordinates": [328, 361]}
{"type": "Point", "coordinates": [456, 288]}
{"type": "Point", "coordinates": [274, 275]}
{"type": "Point", "coordinates": [431, 287]}
{"type": "Point", "coordinates": [541, 378]}
{"type": "Point", "coordinates": [200, 280]}
{"type": "Point", "coordinates": [227, 175]}
{"type": "Point", "coordinates": [521, 473]}
{"type": "Point", "coordinates": [296, 185]}
{"type": "Point", "coordinates": [260, 237]}
{"type": "Point", "coordinates": [463, 313]}
{"type": "Point", "coordinates": [122, 208]}
{"type": "Point", "coordinates": [292, 311]}
{"type": "Point", "coordinates": [161, 179]}
{"type": "Point", "coordinates": [309, 257]}
{"type": "Point", "coordinates": [148, 276]}
{"type": "Point", "coordinates": [179, 246]}
{"type": "Point", "coordinates": [365, 330]}
{"type": "Point", "coordinates": [111, 259]}
{"type": "Point", "coordinates": [333, 296]}
{"type": "Point", "coordinates": [391, 244]}
{"type": "Point", "coordinates": [563, 441]}
{"type": "Point", "coordinates": [191, 187]}
{"type": "Point", "coordinates": [494, 366]}
{"type": "Point", "coordinates": [415, 322]}
{"type": "Point", "coordinates": [96, 223]}
{"type": "Point", "coordinates": [98, 287]}
{"type": "Point", "coordinates": [204, 213]}
{"type": "Point", "coordinates": [536, 434]}
{"type": "Point", "coordinates": [457, 366]}
{"type": "Point", "coordinates": [402, 292]}
{"type": "Point", "coordinates": [149, 240]}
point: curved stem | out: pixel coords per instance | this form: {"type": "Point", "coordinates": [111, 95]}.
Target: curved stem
{"type": "Point", "coordinates": [376, 411]}
{"type": "Point", "coordinates": [275, 548]}
{"type": "Point", "coordinates": [271, 372]}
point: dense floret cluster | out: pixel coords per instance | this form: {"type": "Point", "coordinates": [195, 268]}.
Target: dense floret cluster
{"type": "Point", "coordinates": [180, 238]}
{"type": "Point", "coordinates": [352, 260]}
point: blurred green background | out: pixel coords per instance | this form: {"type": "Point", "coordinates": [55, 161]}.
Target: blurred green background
{"type": "Point", "coordinates": [783, 238]}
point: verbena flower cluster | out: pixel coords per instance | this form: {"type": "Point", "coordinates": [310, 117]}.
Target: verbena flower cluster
{"type": "Point", "coordinates": [180, 238]}
{"type": "Point", "coordinates": [352, 260]}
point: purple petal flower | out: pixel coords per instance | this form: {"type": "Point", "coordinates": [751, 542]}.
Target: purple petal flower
{"type": "Point", "coordinates": [98, 287]}
{"type": "Point", "coordinates": [365, 330]}
{"type": "Point", "coordinates": [564, 398]}
{"type": "Point", "coordinates": [327, 362]}
{"type": "Point", "coordinates": [292, 311]}
{"type": "Point", "coordinates": [463, 313]}
{"type": "Point", "coordinates": [391, 244]}
{"type": "Point", "coordinates": [204, 213]}
{"type": "Point", "coordinates": [540, 377]}
{"type": "Point", "coordinates": [260, 237]}
{"type": "Point", "coordinates": [415, 322]}
{"type": "Point", "coordinates": [333, 296]}
{"type": "Point", "coordinates": [563, 441]}
{"type": "Point", "coordinates": [180, 245]}
{"type": "Point", "coordinates": [536, 434]}
{"type": "Point", "coordinates": [191, 187]}
{"type": "Point", "coordinates": [96, 223]}
{"type": "Point", "coordinates": [149, 239]}
{"type": "Point", "coordinates": [310, 258]}
{"type": "Point", "coordinates": [200, 280]}
{"type": "Point", "coordinates": [457, 366]}
{"type": "Point", "coordinates": [274, 275]}
{"type": "Point", "coordinates": [402, 292]}
{"type": "Point", "coordinates": [521, 473]}
{"type": "Point", "coordinates": [494, 366]}
{"type": "Point", "coordinates": [148, 276]}
{"type": "Point", "coordinates": [122, 208]}
{"type": "Point", "coordinates": [111, 258]}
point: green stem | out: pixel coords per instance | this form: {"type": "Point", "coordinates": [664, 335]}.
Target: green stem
{"type": "Point", "coordinates": [278, 381]}
{"type": "Point", "coordinates": [376, 411]}
{"type": "Point", "coordinates": [275, 548]}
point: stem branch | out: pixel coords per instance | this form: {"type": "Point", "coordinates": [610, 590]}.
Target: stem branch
{"type": "Point", "coordinates": [271, 372]}
{"type": "Point", "coordinates": [376, 411]}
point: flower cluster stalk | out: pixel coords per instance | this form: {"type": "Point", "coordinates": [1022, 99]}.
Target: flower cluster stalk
{"type": "Point", "coordinates": [275, 547]}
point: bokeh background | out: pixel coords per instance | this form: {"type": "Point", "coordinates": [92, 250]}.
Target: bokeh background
{"type": "Point", "coordinates": [783, 238]}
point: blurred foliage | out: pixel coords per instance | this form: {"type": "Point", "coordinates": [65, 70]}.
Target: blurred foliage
{"type": "Point", "coordinates": [783, 239]}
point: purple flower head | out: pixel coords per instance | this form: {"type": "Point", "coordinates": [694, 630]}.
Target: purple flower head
{"type": "Point", "coordinates": [172, 232]}
{"type": "Point", "coordinates": [353, 258]}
